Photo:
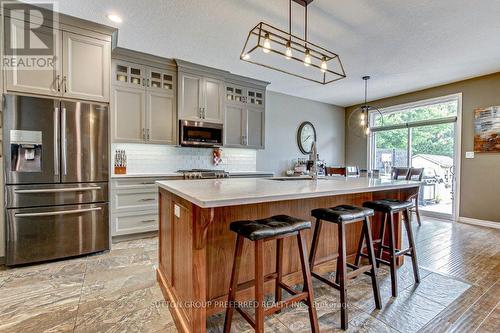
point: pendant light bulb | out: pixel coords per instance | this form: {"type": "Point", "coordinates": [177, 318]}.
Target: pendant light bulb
{"type": "Point", "coordinates": [307, 58]}
{"type": "Point", "coordinates": [288, 52]}
{"type": "Point", "coordinates": [367, 131]}
{"type": "Point", "coordinates": [245, 56]}
{"type": "Point", "coordinates": [363, 122]}
{"type": "Point", "coordinates": [267, 44]}
{"type": "Point", "coordinates": [324, 66]}
{"type": "Point", "coordinates": [362, 116]}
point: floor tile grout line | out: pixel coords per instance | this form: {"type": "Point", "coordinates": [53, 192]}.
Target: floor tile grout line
{"type": "Point", "coordinates": [486, 317]}
{"type": "Point", "coordinates": [80, 296]}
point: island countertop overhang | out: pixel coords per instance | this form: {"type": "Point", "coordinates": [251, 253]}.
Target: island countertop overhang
{"type": "Point", "coordinates": [213, 193]}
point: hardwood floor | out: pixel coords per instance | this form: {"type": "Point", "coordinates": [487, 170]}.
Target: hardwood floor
{"type": "Point", "coordinates": [117, 292]}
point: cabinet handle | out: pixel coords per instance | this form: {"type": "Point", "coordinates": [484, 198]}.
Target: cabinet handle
{"type": "Point", "coordinates": [148, 83]}
{"type": "Point", "coordinates": [148, 199]}
{"type": "Point", "coordinates": [148, 183]}
{"type": "Point", "coordinates": [147, 134]}
{"type": "Point", "coordinates": [203, 113]}
{"type": "Point", "coordinates": [58, 83]}
{"type": "Point", "coordinates": [65, 83]}
{"type": "Point", "coordinates": [144, 134]}
{"type": "Point", "coordinates": [148, 221]}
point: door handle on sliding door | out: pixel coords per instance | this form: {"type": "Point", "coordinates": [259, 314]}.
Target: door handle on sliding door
{"type": "Point", "coordinates": [63, 142]}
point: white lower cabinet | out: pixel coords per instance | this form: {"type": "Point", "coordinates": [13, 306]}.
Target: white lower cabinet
{"type": "Point", "coordinates": [134, 205]}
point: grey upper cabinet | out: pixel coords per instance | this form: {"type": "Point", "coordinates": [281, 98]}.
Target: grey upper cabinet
{"type": "Point", "coordinates": [161, 118]}
{"type": "Point", "coordinates": [244, 120]}
{"type": "Point", "coordinates": [190, 96]}
{"type": "Point", "coordinates": [86, 65]}
{"type": "Point", "coordinates": [200, 93]}
{"type": "Point", "coordinates": [143, 107]}
{"type": "Point", "coordinates": [81, 62]}
{"type": "Point", "coordinates": [43, 81]}
{"type": "Point", "coordinates": [128, 116]}
{"type": "Point", "coordinates": [200, 98]}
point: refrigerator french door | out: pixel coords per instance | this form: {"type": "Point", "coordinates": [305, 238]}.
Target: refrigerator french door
{"type": "Point", "coordinates": [56, 176]}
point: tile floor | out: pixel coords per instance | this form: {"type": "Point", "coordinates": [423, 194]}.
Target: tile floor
{"type": "Point", "coordinates": [117, 292]}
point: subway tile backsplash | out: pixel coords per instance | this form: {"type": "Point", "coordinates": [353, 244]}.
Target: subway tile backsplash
{"type": "Point", "coordinates": [142, 158]}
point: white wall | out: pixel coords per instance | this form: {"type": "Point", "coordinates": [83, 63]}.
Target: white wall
{"type": "Point", "coordinates": [284, 114]}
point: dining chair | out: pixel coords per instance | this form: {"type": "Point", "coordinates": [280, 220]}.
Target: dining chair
{"type": "Point", "coordinates": [399, 173]}
{"type": "Point", "coordinates": [352, 171]}
{"type": "Point", "coordinates": [415, 174]}
{"type": "Point", "coordinates": [332, 171]}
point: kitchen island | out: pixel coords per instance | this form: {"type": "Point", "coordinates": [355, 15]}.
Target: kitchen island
{"type": "Point", "coordinates": [196, 247]}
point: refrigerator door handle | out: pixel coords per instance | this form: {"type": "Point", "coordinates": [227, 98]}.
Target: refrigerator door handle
{"type": "Point", "coordinates": [63, 142]}
{"type": "Point", "coordinates": [56, 141]}
{"type": "Point", "coordinates": [58, 190]}
{"type": "Point", "coordinates": [60, 212]}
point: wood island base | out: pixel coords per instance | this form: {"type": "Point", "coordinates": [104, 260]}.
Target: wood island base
{"type": "Point", "coordinates": [196, 249]}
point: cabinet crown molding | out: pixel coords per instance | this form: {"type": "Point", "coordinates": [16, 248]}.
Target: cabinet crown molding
{"type": "Point", "coordinates": [120, 53]}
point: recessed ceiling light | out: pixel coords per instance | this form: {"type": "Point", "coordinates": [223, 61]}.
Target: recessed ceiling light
{"type": "Point", "coordinates": [115, 18]}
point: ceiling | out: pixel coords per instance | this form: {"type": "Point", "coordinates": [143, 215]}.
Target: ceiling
{"type": "Point", "coordinates": [404, 45]}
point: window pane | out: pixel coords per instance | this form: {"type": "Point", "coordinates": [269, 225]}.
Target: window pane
{"type": "Point", "coordinates": [433, 149]}
{"type": "Point", "coordinates": [425, 112]}
{"type": "Point", "coordinates": [391, 150]}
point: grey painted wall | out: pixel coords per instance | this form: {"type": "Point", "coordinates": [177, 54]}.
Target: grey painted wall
{"type": "Point", "coordinates": [284, 114]}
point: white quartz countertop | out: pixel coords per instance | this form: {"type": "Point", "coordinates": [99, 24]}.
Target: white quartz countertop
{"type": "Point", "coordinates": [229, 192]}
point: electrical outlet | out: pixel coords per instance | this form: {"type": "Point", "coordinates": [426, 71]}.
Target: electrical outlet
{"type": "Point", "coordinates": [469, 154]}
{"type": "Point", "coordinates": [177, 211]}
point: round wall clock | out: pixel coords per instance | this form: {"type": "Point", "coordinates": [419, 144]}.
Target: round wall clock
{"type": "Point", "coordinates": [306, 135]}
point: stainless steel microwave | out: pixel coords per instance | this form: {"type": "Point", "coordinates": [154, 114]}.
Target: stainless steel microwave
{"type": "Point", "coordinates": [200, 134]}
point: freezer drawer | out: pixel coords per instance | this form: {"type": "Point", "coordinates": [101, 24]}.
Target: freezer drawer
{"type": "Point", "coordinates": [23, 196]}
{"type": "Point", "coordinates": [39, 234]}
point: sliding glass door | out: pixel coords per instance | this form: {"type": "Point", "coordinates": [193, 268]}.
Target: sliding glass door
{"type": "Point", "coordinates": [420, 135]}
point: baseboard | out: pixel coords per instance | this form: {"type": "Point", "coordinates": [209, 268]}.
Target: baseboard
{"type": "Point", "coordinates": [483, 223]}
{"type": "Point", "coordinates": [126, 238]}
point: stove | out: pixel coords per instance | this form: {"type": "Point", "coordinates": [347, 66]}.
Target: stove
{"type": "Point", "coordinates": [204, 174]}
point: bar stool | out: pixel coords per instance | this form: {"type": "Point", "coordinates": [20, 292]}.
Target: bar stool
{"type": "Point", "coordinates": [260, 231]}
{"type": "Point", "coordinates": [389, 207]}
{"type": "Point", "coordinates": [342, 215]}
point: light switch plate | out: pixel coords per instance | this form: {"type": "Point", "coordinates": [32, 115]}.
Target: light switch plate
{"type": "Point", "coordinates": [177, 211]}
{"type": "Point", "coordinates": [469, 154]}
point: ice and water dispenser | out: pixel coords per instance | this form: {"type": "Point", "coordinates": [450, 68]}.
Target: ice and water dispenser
{"type": "Point", "coordinates": [26, 151]}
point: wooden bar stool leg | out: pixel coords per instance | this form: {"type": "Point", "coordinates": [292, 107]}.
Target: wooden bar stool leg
{"type": "Point", "coordinates": [259, 286]}
{"type": "Point", "coordinates": [392, 254]}
{"type": "Point", "coordinates": [417, 212]}
{"type": "Point", "coordinates": [360, 245]}
{"type": "Point", "coordinates": [314, 244]}
{"type": "Point", "coordinates": [342, 277]}
{"type": "Point", "coordinates": [411, 242]}
{"type": "Point", "coordinates": [233, 284]}
{"type": "Point", "coordinates": [308, 287]}
{"type": "Point", "coordinates": [381, 237]}
{"type": "Point", "coordinates": [279, 271]}
{"type": "Point", "coordinates": [371, 259]}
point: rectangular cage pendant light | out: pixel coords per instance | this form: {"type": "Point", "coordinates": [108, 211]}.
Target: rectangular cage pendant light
{"type": "Point", "coordinates": [279, 50]}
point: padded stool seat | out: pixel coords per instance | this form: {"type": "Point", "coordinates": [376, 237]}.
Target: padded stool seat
{"type": "Point", "coordinates": [388, 205]}
{"type": "Point", "coordinates": [342, 213]}
{"type": "Point", "coordinates": [270, 227]}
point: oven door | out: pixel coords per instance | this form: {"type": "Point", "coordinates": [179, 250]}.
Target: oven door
{"type": "Point", "coordinates": [46, 233]}
{"type": "Point", "coordinates": [200, 134]}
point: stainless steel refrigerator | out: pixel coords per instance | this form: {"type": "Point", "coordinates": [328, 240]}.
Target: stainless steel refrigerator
{"type": "Point", "coordinates": [56, 176]}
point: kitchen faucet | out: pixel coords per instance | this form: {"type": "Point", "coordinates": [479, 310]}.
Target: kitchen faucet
{"type": "Point", "coordinates": [313, 171]}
